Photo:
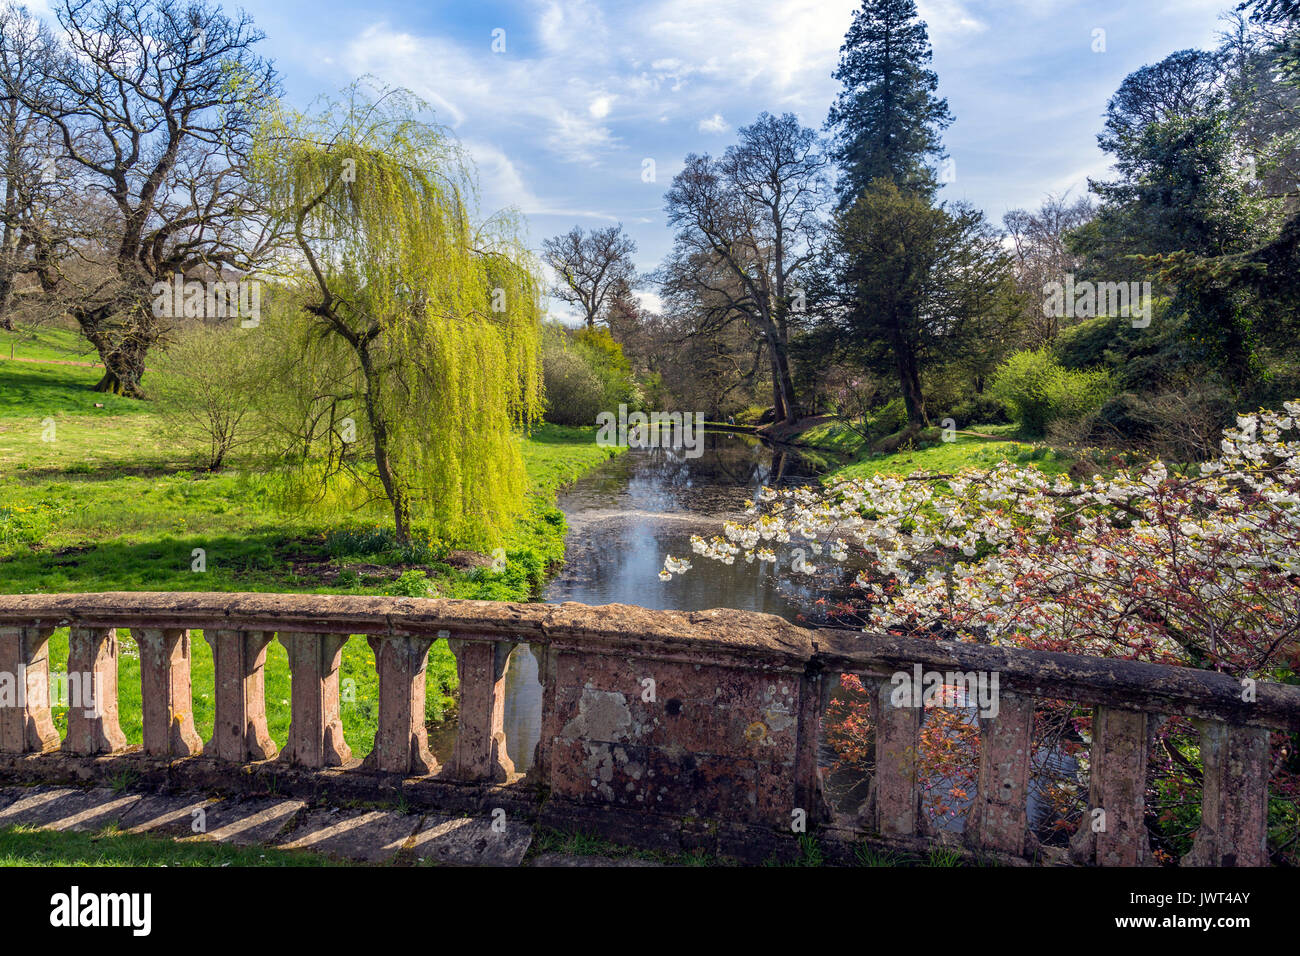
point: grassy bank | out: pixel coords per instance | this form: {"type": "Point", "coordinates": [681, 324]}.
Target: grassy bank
{"type": "Point", "coordinates": [92, 500]}
{"type": "Point", "coordinates": [982, 446]}
{"type": "Point", "coordinates": [52, 343]}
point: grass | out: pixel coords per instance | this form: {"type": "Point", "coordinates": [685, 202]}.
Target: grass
{"type": "Point", "coordinates": [965, 451]}
{"type": "Point", "coordinates": [53, 343]}
{"type": "Point", "coordinates": [31, 392]}
{"type": "Point", "coordinates": [24, 846]}
{"type": "Point", "coordinates": [578, 843]}
{"type": "Point", "coordinates": [91, 499]}
{"type": "Point", "coordinates": [834, 437]}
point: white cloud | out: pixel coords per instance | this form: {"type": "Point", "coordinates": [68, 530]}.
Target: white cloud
{"type": "Point", "coordinates": [572, 26]}
{"type": "Point", "coordinates": [464, 84]}
{"type": "Point", "coordinates": [650, 301]}
{"type": "Point", "coordinates": [949, 17]}
{"type": "Point", "coordinates": [714, 124]}
{"type": "Point", "coordinates": [501, 185]}
{"type": "Point", "coordinates": [39, 8]}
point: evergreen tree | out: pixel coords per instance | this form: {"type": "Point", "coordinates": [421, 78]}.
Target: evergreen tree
{"type": "Point", "coordinates": [887, 120]}
{"type": "Point", "coordinates": [920, 288]}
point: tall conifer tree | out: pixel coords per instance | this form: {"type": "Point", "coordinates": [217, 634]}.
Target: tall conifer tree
{"type": "Point", "coordinates": [886, 122]}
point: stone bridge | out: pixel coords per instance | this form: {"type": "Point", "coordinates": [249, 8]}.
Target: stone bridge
{"type": "Point", "coordinates": [719, 752]}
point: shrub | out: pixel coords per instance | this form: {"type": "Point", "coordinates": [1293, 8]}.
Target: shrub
{"type": "Point", "coordinates": [586, 373]}
{"type": "Point", "coordinates": [575, 395]}
{"type": "Point", "coordinates": [207, 385]}
{"type": "Point", "coordinates": [1181, 424]}
{"type": "Point", "coordinates": [985, 409]}
{"type": "Point", "coordinates": [1086, 344]}
{"type": "Point", "coordinates": [1036, 390]}
{"type": "Point", "coordinates": [412, 583]}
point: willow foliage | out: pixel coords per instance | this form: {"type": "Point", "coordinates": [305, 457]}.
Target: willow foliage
{"type": "Point", "coordinates": [440, 315]}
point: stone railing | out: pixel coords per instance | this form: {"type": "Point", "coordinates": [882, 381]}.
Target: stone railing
{"type": "Point", "coordinates": [697, 725]}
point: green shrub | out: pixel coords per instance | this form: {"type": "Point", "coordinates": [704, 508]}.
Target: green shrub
{"type": "Point", "coordinates": [586, 373]}
{"type": "Point", "coordinates": [985, 409]}
{"type": "Point", "coordinates": [410, 584]}
{"type": "Point", "coordinates": [1087, 344]}
{"type": "Point", "coordinates": [381, 544]}
{"type": "Point", "coordinates": [1037, 391]}
{"type": "Point", "coordinates": [206, 384]}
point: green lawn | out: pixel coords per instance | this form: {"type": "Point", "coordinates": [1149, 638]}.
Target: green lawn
{"type": "Point", "coordinates": [59, 343]}
{"type": "Point", "coordinates": [93, 500]}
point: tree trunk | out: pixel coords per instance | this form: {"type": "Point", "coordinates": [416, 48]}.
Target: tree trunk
{"type": "Point", "coordinates": [784, 407]}
{"type": "Point", "coordinates": [909, 381]}
{"type": "Point", "coordinates": [383, 464]}
{"type": "Point", "coordinates": [778, 398]}
{"type": "Point", "coordinates": [123, 369]}
{"type": "Point", "coordinates": [787, 385]}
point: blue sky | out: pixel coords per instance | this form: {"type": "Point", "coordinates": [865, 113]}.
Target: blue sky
{"type": "Point", "coordinates": [561, 123]}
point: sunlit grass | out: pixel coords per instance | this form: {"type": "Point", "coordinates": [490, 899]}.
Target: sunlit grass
{"type": "Point", "coordinates": [965, 451]}
{"type": "Point", "coordinates": [56, 343]}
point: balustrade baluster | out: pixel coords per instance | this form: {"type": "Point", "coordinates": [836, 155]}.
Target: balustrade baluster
{"type": "Point", "coordinates": [480, 751]}
{"type": "Point", "coordinates": [93, 726]}
{"type": "Point", "coordinates": [315, 729]}
{"type": "Point", "coordinates": [1234, 797]}
{"type": "Point", "coordinates": [999, 818]}
{"type": "Point", "coordinates": [167, 702]}
{"type": "Point", "coordinates": [26, 725]}
{"type": "Point", "coordinates": [1113, 830]}
{"type": "Point", "coordinates": [401, 740]}
{"type": "Point", "coordinates": [896, 799]}
{"type": "Point", "coordinates": [239, 731]}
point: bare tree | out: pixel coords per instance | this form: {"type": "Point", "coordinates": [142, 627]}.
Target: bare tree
{"type": "Point", "coordinates": [591, 266]}
{"type": "Point", "coordinates": [155, 102]}
{"type": "Point", "coordinates": [1264, 107]}
{"type": "Point", "coordinates": [747, 224]}
{"type": "Point", "coordinates": [1041, 256]}
{"type": "Point", "coordinates": [39, 193]}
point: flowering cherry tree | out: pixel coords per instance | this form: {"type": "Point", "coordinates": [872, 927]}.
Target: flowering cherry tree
{"type": "Point", "coordinates": [1198, 566]}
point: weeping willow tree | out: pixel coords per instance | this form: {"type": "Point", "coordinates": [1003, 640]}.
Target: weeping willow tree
{"type": "Point", "coordinates": [438, 316]}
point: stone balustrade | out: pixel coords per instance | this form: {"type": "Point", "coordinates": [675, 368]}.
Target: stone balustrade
{"type": "Point", "coordinates": [651, 720]}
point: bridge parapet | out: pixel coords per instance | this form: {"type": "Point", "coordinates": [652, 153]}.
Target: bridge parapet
{"type": "Point", "coordinates": [650, 715]}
